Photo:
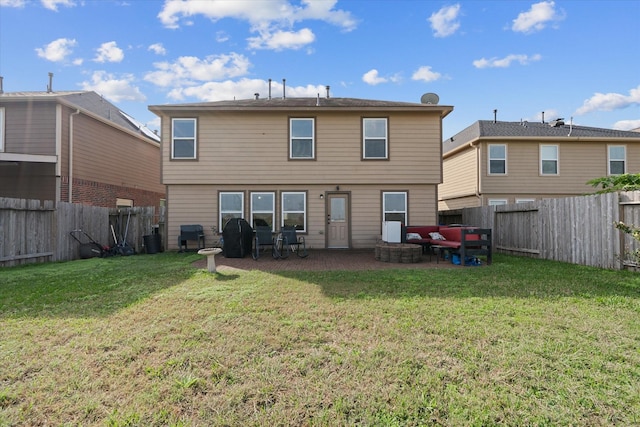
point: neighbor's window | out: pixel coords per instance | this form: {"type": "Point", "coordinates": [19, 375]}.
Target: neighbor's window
{"type": "Point", "coordinates": [497, 159]}
{"type": "Point", "coordinates": [497, 202]}
{"type": "Point", "coordinates": [617, 159]}
{"type": "Point", "coordinates": [231, 205]}
{"type": "Point", "coordinates": [294, 210]}
{"type": "Point", "coordinates": [549, 159]}
{"type": "Point", "coordinates": [374, 139]}
{"type": "Point", "coordinates": [263, 210]}
{"type": "Point", "coordinates": [302, 139]}
{"type": "Point", "coordinates": [183, 138]}
{"type": "Point", "coordinates": [394, 206]}
{"type": "Point", "coordinates": [525, 200]}
{"type": "Point", "coordinates": [1, 129]}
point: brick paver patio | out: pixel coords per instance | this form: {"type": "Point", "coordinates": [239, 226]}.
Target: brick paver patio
{"type": "Point", "coordinates": [319, 260]}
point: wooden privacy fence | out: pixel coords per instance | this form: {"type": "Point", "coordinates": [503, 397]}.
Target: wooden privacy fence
{"type": "Point", "coordinates": [39, 231]}
{"type": "Point", "coordinates": [578, 230]}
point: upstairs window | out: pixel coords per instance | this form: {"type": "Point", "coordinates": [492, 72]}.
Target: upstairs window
{"type": "Point", "coordinates": [394, 206]}
{"type": "Point", "coordinates": [549, 160]}
{"type": "Point", "coordinates": [617, 159]}
{"type": "Point", "coordinates": [374, 139]}
{"type": "Point", "coordinates": [231, 205]}
{"type": "Point", "coordinates": [497, 159]}
{"type": "Point", "coordinates": [302, 139]}
{"type": "Point", "coordinates": [183, 138]}
{"type": "Point", "coordinates": [294, 210]}
{"type": "Point", "coordinates": [263, 210]}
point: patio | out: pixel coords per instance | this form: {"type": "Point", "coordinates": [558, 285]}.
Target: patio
{"type": "Point", "coordinates": [319, 260]}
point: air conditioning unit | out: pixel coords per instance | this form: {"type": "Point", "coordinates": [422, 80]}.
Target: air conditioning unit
{"type": "Point", "coordinates": [391, 231]}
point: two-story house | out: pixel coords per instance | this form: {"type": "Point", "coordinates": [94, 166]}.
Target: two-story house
{"type": "Point", "coordinates": [76, 147]}
{"type": "Point", "coordinates": [334, 168]}
{"type": "Point", "coordinates": [494, 162]}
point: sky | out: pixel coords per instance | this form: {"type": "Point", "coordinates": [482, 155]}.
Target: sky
{"type": "Point", "coordinates": [577, 60]}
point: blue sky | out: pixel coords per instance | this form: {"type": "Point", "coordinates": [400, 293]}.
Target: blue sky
{"type": "Point", "coordinates": [567, 58]}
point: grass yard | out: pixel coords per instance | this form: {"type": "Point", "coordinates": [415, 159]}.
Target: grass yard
{"type": "Point", "coordinates": [151, 341]}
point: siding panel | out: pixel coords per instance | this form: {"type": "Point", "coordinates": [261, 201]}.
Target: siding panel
{"type": "Point", "coordinates": [232, 151]}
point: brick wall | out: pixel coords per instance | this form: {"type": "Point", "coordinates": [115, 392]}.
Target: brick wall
{"type": "Point", "coordinates": [100, 194]}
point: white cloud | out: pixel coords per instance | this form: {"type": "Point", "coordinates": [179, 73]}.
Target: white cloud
{"type": "Point", "coordinates": [57, 50]}
{"type": "Point", "coordinates": [78, 61]}
{"type": "Point", "coordinates": [271, 20]}
{"type": "Point", "coordinates": [536, 18]}
{"type": "Point", "coordinates": [109, 52]}
{"type": "Point", "coordinates": [53, 4]}
{"type": "Point", "coordinates": [49, 4]}
{"type": "Point", "coordinates": [371, 77]}
{"type": "Point", "coordinates": [243, 89]}
{"type": "Point", "coordinates": [158, 49]}
{"type": "Point", "coordinates": [627, 124]}
{"type": "Point", "coordinates": [425, 74]}
{"type": "Point", "coordinates": [609, 101]}
{"type": "Point", "coordinates": [221, 36]}
{"type": "Point", "coordinates": [12, 3]}
{"type": "Point", "coordinates": [113, 88]}
{"type": "Point", "coordinates": [506, 61]}
{"type": "Point", "coordinates": [188, 70]}
{"type": "Point", "coordinates": [279, 40]}
{"type": "Point", "coordinates": [444, 22]}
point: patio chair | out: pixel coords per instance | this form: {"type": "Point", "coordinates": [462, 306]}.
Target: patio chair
{"type": "Point", "coordinates": [292, 242]}
{"type": "Point", "coordinates": [263, 238]}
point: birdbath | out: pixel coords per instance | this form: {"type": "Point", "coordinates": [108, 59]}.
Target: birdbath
{"type": "Point", "coordinates": [210, 253]}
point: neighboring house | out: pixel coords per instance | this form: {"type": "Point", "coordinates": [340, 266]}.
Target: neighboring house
{"type": "Point", "coordinates": [76, 147]}
{"type": "Point", "coordinates": [493, 162]}
{"type": "Point", "coordinates": [334, 168]}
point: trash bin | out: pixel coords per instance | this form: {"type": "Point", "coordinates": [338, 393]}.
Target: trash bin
{"type": "Point", "coordinates": [152, 243]}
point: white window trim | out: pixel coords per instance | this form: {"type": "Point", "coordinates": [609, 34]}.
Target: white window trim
{"type": "Point", "coordinates": [489, 158]}
{"type": "Point", "coordinates": [525, 200]}
{"type": "Point", "coordinates": [386, 138]}
{"type": "Point", "coordinates": [221, 212]}
{"type": "Point", "coordinates": [2, 119]}
{"type": "Point", "coordinates": [609, 159]}
{"type": "Point", "coordinates": [497, 202]}
{"type": "Point", "coordinates": [406, 205]}
{"type": "Point", "coordinates": [557, 159]}
{"type": "Point", "coordinates": [313, 138]}
{"type": "Point", "coordinates": [273, 206]}
{"type": "Point", "coordinates": [195, 138]}
{"type": "Point", "coordinates": [282, 211]}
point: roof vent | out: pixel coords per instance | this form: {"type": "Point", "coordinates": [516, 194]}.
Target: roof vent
{"type": "Point", "coordinates": [50, 85]}
{"type": "Point", "coordinates": [556, 123]}
{"type": "Point", "coordinates": [257, 95]}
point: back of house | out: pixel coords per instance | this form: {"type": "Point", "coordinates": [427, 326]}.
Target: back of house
{"type": "Point", "coordinates": [334, 168]}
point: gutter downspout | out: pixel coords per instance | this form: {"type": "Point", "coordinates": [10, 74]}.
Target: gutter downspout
{"type": "Point", "coordinates": [70, 183]}
{"type": "Point", "coordinates": [478, 174]}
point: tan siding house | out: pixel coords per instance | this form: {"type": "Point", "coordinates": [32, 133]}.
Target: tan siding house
{"type": "Point", "coordinates": [510, 162]}
{"type": "Point", "coordinates": [75, 147]}
{"type": "Point", "coordinates": [334, 168]}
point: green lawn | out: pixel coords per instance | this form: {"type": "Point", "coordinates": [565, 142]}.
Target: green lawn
{"type": "Point", "coordinates": [150, 340]}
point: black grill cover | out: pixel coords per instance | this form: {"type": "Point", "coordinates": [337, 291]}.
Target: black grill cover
{"type": "Point", "coordinates": [238, 238]}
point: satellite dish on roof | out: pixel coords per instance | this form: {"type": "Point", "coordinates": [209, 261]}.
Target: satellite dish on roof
{"type": "Point", "coordinates": [429, 98]}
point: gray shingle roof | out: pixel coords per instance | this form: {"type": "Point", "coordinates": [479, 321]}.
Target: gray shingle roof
{"type": "Point", "coordinates": [293, 103]}
{"type": "Point", "coordinates": [490, 129]}
{"type": "Point", "coordinates": [89, 101]}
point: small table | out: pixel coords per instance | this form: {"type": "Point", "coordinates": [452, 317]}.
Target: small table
{"type": "Point", "coordinates": [440, 250]}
